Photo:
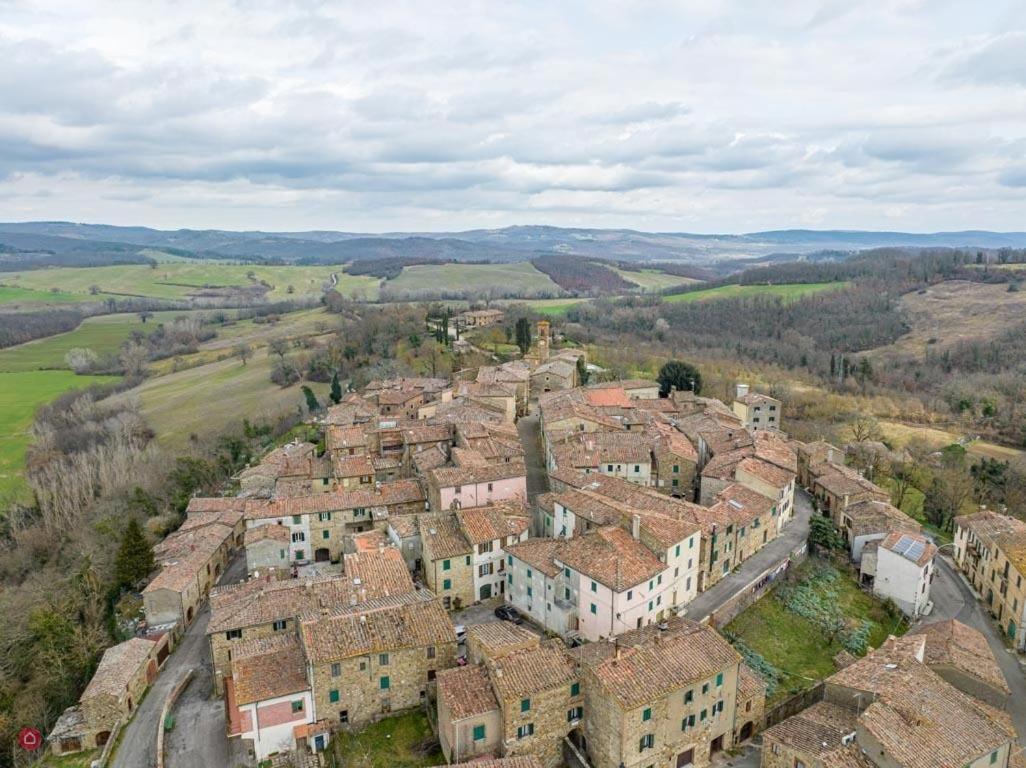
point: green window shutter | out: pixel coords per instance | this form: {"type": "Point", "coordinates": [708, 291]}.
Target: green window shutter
{"type": "Point", "coordinates": [384, 683]}
{"type": "Point", "coordinates": [575, 689]}
{"type": "Point", "coordinates": [447, 584]}
{"type": "Point", "coordinates": [594, 608]}
{"type": "Point", "coordinates": [525, 705]}
{"type": "Point", "coordinates": [479, 733]}
{"type": "Point", "coordinates": [446, 565]}
{"type": "Point", "coordinates": [719, 680]}
{"type": "Point", "coordinates": [333, 696]}
{"type": "Point", "coordinates": [646, 714]}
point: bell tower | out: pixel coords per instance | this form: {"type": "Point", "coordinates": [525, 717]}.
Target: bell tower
{"type": "Point", "coordinates": [544, 340]}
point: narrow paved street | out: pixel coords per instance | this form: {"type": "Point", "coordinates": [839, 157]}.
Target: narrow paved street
{"type": "Point", "coordinates": [954, 599]}
{"type": "Point", "coordinates": [198, 738]}
{"type": "Point", "coordinates": [530, 438]}
{"type": "Point", "coordinates": [773, 553]}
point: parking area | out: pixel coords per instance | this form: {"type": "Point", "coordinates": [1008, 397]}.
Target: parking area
{"type": "Point", "coordinates": [485, 611]}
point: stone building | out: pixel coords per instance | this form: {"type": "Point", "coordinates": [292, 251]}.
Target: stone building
{"type": "Point", "coordinates": [756, 411]}
{"type": "Point", "coordinates": [663, 696]}
{"type": "Point", "coordinates": [124, 673]}
{"type": "Point", "coordinates": [367, 661]}
{"type": "Point", "coordinates": [448, 560]}
{"type": "Point", "coordinates": [990, 550]}
{"type": "Point", "coordinates": [267, 607]}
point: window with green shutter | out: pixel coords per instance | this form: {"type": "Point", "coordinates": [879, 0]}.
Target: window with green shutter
{"type": "Point", "coordinates": [479, 733]}
{"type": "Point", "coordinates": [646, 714]}
{"type": "Point", "coordinates": [446, 565]}
{"type": "Point", "coordinates": [384, 683]}
{"type": "Point", "coordinates": [525, 705]}
{"type": "Point", "coordinates": [333, 696]}
{"type": "Point", "coordinates": [719, 680]}
{"type": "Point", "coordinates": [575, 689]}
{"type": "Point", "coordinates": [594, 608]}
{"type": "Point", "coordinates": [447, 584]}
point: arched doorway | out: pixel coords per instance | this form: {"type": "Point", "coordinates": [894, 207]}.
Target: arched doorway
{"type": "Point", "coordinates": [746, 731]}
{"type": "Point", "coordinates": [486, 591]}
{"type": "Point", "coordinates": [151, 671]}
{"type": "Point", "coordinates": [188, 615]}
{"type": "Point", "coordinates": [102, 738]}
{"type": "Point", "coordinates": [322, 555]}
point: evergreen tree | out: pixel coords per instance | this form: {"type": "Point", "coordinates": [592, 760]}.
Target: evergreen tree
{"type": "Point", "coordinates": [336, 389]}
{"type": "Point", "coordinates": [676, 374]}
{"type": "Point", "coordinates": [311, 399]}
{"type": "Point", "coordinates": [523, 334]}
{"type": "Point", "coordinates": [134, 559]}
{"type": "Point", "coordinates": [582, 371]}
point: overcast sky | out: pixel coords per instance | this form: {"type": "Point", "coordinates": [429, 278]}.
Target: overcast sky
{"type": "Point", "coordinates": [701, 116]}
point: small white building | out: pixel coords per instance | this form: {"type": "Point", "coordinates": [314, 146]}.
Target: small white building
{"type": "Point", "coordinates": [902, 570]}
{"type": "Point", "coordinates": [489, 530]}
{"type": "Point", "coordinates": [268, 694]}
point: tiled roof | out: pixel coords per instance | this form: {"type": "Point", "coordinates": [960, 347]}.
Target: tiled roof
{"type": "Point", "coordinates": [183, 555]}
{"type": "Point", "coordinates": [386, 494]}
{"type": "Point", "coordinates": [497, 638]}
{"type": "Point", "coordinates": [427, 433]}
{"type": "Point", "coordinates": [442, 537]}
{"type": "Point", "coordinates": [920, 720]}
{"type": "Point", "coordinates": [379, 571]}
{"type": "Point", "coordinates": [816, 732]}
{"type": "Point", "coordinates": [653, 662]}
{"type": "Point", "coordinates": [261, 601]}
{"type": "Point", "coordinates": [408, 621]}
{"type": "Point", "coordinates": [481, 524]}
{"type": "Point", "coordinates": [466, 691]}
{"type": "Point", "coordinates": [353, 466]}
{"type": "Point", "coordinates": [118, 665]}
{"type": "Point", "coordinates": [342, 438]}
{"type": "Point", "coordinates": [776, 450]}
{"type": "Point", "coordinates": [754, 398]}
{"type": "Point", "coordinates": [741, 505]}
{"type": "Point", "coordinates": [768, 473]}
{"type": "Point", "coordinates": [876, 516]}
{"type": "Point", "coordinates": [898, 541]}
{"type": "Point", "coordinates": [607, 396]}
{"type": "Point", "coordinates": [538, 553]}
{"type": "Point", "coordinates": [749, 684]}
{"type": "Point", "coordinates": [523, 673]}
{"type": "Point", "coordinates": [612, 557]}
{"type": "Point", "coordinates": [722, 465]}
{"type": "Point", "coordinates": [952, 643]}
{"type": "Point", "coordinates": [845, 481]}
{"type": "Point", "coordinates": [278, 533]}
{"type": "Point", "coordinates": [446, 477]}
{"type": "Point", "coordinates": [268, 667]}
{"type": "Point", "coordinates": [405, 526]}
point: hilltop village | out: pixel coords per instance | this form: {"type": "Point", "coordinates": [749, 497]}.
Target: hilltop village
{"type": "Point", "coordinates": [544, 566]}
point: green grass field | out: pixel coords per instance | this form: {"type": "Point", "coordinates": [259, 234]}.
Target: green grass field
{"type": "Point", "coordinates": [21, 393]}
{"type": "Point", "coordinates": [405, 741]}
{"type": "Point", "coordinates": [553, 307]}
{"type": "Point", "coordinates": [12, 297]}
{"type": "Point", "coordinates": [215, 397]}
{"type": "Point", "coordinates": [180, 279]}
{"type": "Point", "coordinates": [796, 645]}
{"type": "Point", "coordinates": [653, 279]}
{"type": "Point", "coordinates": [103, 335]}
{"type": "Point", "coordinates": [521, 276]}
{"type": "Point", "coordinates": [786, 291]}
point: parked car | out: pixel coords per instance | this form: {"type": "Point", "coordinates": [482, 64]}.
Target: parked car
{"type": "Point", "coordinates": [509, 613]}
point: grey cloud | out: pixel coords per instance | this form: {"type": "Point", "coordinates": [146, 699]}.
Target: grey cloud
{"type": "Point", "coordinates": [999, 60]}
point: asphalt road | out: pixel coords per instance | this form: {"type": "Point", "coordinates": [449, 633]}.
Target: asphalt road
{"type": "Point", "coordinates": [954, 599]}
{"type": "Point", "coordinates": [198, 738]}
{"type": "Point", "coordinates": [773, 553]}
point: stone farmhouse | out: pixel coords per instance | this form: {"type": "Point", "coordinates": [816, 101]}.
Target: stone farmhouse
{"type": "Point", "coordinates": [756, 411]}
{"type": "Point", "coordinates": [124, 673]}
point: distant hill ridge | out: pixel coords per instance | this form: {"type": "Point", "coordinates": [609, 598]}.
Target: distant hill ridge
{"type": "Point", "coordinates": [516, 243]}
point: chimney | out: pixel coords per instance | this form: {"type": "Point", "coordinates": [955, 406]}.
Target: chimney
{"type": "Point", "coordinates": [636, 526]}
{"type": "Point", "coordinates": [742, 390]}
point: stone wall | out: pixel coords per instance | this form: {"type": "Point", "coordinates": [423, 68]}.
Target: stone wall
{"type": "Point", "coordinates": [362, 694]}
{"type": "Point", "coordinates": [548, 713]}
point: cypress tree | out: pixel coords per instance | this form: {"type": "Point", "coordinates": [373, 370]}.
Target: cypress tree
{"type": "Point", "coordinates": [336, 389]}
{"type": "Point", "coordinates": [134, 559]}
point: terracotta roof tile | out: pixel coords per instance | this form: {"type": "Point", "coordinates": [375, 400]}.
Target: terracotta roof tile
{"type": "Point", "coordinates": [523, 673]}
{"type": "Point", "coordinates": [610, 556]}
{"type": "Point", "coordinates": [408, 621]}
{"type": "Point", "coordinates": [442, 537]}
{"type": "Point", "coordinates": [118, 665]}
{"type": "Point", "coordinates": [268, 667]}
{"type": "Point", "coordinates": [466, 691]}
{"type": "Point", "coordinates": [952, 643]}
